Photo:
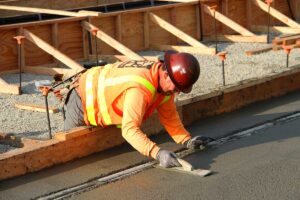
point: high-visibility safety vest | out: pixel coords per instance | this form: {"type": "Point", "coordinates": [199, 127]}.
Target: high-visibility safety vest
{"type": "Point", "coordinates": [99, 87]}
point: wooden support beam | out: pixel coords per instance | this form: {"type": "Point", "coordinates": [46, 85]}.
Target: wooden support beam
{"type": "Point", "coordinates": [46, 11]}
{"type": "Point", "coordinates": [53, 51]}
{"type": "Point", "coordinates": [49, 70]}
{"type": "Point", "coordinates": [228, 22]}
{"type": "Point", "coordinates": [175, 31]}
{"type": "Point", "coordinates": [112, 42]}
{"type": "Point", "coordinates": [275, 13]}
{"type": "Point", "coordinates": [115, 58]}
{"type": "Point", "coordinates": [33, 107]}
{"type": "Point", "coordinates": [277, 29]}
{"type": "Point", "coordinates": [187, 49]}
{"type": "Point", "coordinates": [237, 38]}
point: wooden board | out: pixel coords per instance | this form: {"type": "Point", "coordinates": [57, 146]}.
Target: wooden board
{"type": "Point", "coordinates": [38, 108]}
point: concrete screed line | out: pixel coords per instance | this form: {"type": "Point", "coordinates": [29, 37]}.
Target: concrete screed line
{"type": "Point", "coordinates": [116, 176]}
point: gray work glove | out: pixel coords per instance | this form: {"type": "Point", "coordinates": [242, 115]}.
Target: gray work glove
{"type": "Point", "coordinates": [198, 142]}
{"type": "Point", "coordinates": [167, 159]}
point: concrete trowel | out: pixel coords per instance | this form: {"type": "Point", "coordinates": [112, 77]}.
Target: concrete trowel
{"type": "Point", "coordinates": [188, 169]}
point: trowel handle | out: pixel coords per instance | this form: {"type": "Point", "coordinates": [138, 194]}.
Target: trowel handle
{"type": "Point", "coordinates": [185, 165]}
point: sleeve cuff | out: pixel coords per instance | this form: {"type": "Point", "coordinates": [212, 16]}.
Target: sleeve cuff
{"type": "Point", "coordinates": [154, 151]}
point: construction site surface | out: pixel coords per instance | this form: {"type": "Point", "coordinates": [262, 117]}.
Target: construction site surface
{"type": "Point", "coordinates": [40, 39]}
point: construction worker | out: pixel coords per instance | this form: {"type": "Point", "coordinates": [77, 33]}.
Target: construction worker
{"type": "Point", "coordinates": [127, 93]}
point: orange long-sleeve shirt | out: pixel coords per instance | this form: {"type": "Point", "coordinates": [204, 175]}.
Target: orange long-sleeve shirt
{"type": "Point", "coordinates": [133, 101]}
{"type": "Point", "coordinates": [133, 107]}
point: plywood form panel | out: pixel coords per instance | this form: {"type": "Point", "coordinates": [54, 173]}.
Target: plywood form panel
{"type": "Point", "coordinates": [70, 40]}
{"type": "Point", "coordinates": [186, 20]}
{"type": "Point", "coordinates": [236, 11]}
{"type": "Point", "coordinates": [8, 50]}
{"type": "Point", "coordinates": [259, 17]}
{"type": "Point", "coordinates": [208, 21]}
{"type": "Point", "coordinates": [106, 24]}
{"type": "Point", "coordinates": [157, 34]}
{"type": "Point", "coordinates": [133, 30]}
{"type": "Point", "coordinates": [34, 56]}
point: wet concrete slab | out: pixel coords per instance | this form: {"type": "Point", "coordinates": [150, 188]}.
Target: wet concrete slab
{"type": "Point", "coordinates": [100, 164]}
{"type": "Point", "coordinates": [265, 165]}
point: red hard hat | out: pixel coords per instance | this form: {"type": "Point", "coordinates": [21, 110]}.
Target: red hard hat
{"type": "Point", "coordinates": [183, 69]}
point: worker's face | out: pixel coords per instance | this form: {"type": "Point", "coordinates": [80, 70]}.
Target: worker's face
{"type": "Point", "coordinates": [166, 84]}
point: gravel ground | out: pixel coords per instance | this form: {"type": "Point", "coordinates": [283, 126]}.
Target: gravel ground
{"type": "Point", "coordinates": [238, 67]}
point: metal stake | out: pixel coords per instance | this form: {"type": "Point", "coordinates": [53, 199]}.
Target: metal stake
{"type": "Point", "coordinates": [19, 41]}
{"type": "Point", "coordinates": [287, 60]}
{"type": "Point", "coordinates": [222, 56]}
{"type": "Point", "coordinates": [48, 117]}
{"type": "Point", "coordinates": [223, 72]}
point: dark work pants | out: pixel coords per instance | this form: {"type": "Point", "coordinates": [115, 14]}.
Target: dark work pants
{"type": "Point", "coordinates": [74, 111]}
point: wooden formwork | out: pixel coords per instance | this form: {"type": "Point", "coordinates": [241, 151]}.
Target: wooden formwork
{"type": "Point", "coordinates": [134, 29]}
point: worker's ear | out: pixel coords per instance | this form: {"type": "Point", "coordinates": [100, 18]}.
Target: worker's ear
{"type": "Point", "coordinates": [165, 74]}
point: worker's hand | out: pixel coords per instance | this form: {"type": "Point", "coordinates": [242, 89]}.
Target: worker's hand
{"type": "Point", "coordinates": [198, 142]}
{"type": "Point", "coordinates": [167, 159]}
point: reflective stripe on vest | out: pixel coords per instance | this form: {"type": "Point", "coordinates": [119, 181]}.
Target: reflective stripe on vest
{"type": "Point", "coordinates": [90, 110]}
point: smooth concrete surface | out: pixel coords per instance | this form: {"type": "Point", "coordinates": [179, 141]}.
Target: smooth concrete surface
{"type": "Point", "coordinates": [97, 165]}
{"type": "Point", "coordinates": [265, 165]}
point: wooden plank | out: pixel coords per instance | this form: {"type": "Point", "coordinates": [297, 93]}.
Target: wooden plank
{"type": "Point", "coordinates": [38, 108]}
{"type": "Point", "coordinates": [49, 70]}
{"type": "Point", "coordinates": [115, 58]}
{"type": "Point", "coordinates": [52, 51]}
{"type": "Point", "coordinates": [277, 29]}
{"type": "Point", "coordinates": [228, 22]}
{"type": "Point", "coordinates": [42, 10]}
{"type": "Point", "coordinates": [237, 38]}
{"type": "Point", "coordinates": [275, 13]}
{"type": "Point", "coordinates": [9, 88]}
{"type": "Point", "coordinates": [286, 40]}
{"type": "Point", "coordinates": [112, 42]}
{"type": "Point", "coordinates": [146, 30]}
{"type": "Point", "coordinates": [258, 51]}
{"type": "Point", "coordinates": [175, 31]}
{"type": "Point", "coordinates": [187, 49]}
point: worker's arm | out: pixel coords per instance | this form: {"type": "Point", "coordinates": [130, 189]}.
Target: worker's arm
{"type": "Point", "coordinates": [169, 117]}
{"type": "Point", "coordinates": [133, 111]}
